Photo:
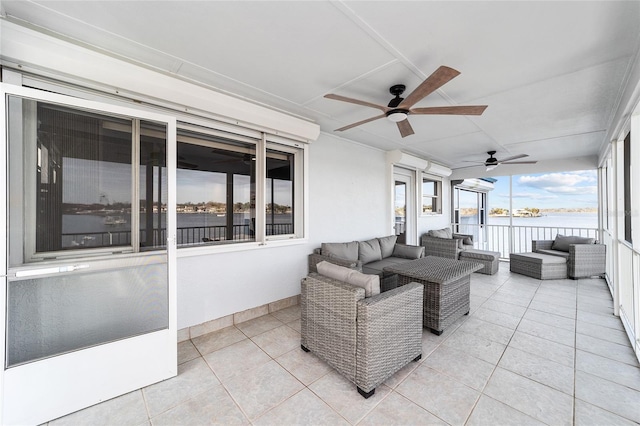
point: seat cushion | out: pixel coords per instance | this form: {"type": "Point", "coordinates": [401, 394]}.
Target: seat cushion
{"type": "Point", "coordinates": [480, 254]}
{"type": "Point", "coordinates": [538, 258]}
{"type": "Point", "coordinates": [562, 243]}
{"type": "Point", "coordinates": [554, 253]}
{"type": "Point", "coordinates": [376, 267]}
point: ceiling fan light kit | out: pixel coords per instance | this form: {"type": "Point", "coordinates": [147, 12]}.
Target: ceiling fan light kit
{"type": "Point", "coordinates": [397, 115]}
{"type": "Point", "coordinates": [400, 108]}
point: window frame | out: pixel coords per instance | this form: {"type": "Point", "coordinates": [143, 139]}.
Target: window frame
{"type": "Point", "coordinates": [437, 197]}
{"type": "Point", "coordinates": [22, 238]}
{"type": "Point", "coordinates": [263, 142]}
{"type": "Point", "coordinates": [202, 120]}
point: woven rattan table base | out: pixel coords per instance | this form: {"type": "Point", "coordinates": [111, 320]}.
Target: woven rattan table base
{"type": "Point", "coordinates": [446, 287]}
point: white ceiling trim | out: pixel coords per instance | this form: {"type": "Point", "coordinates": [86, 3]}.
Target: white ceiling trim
{"type": "Point", "coordinates": [28, 47]}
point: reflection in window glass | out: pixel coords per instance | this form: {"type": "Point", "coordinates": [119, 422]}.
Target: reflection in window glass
{"type": "Point", "coordinates": [215, 190]}
{"type": "Point", "coordinates": [83, 183]}
{"type": "Point", "coordinates": [279, 194]}
{"type": "Point", "coordinates": [153, 186]}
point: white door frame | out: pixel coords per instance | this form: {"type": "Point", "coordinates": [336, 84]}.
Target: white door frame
{"type": "Point", "coordinates": [411, 212]}
{"type": "Point", "coordinates": [40, 391]}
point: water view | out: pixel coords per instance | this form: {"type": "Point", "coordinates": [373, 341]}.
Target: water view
{"type": "Point", "coordinates": [94, 230]}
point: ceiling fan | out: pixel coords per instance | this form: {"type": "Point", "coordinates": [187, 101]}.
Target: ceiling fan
{"type": "Point", "coordinates": [399, 108]}
{"type": "Point", "coordinates": [492, 162]}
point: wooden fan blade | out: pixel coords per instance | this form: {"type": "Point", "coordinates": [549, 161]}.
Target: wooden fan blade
{"type": "Point", "coordinates": [360, 122]}
{"type": "Point", "coordinates": [515, 157]}
{"type": "Point", "coordinates": [451, 110]}
{"type": "Point", "coordinates": [405, 128]}
{"type": "Point", "coordinates": [518, 162]}
{"type": "Point", "coordinates": [436, 80]}
{"type": "Point", "coordinates": [356, 101]}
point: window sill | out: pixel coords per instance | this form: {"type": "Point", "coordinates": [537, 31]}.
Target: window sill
{"type": "Point", "coordinates": [204, 250]}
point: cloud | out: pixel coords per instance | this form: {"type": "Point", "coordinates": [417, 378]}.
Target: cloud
{"type": "Point", "coordinates": [551, 180]}
{"type": "Point", "coordinates": [574, 183]}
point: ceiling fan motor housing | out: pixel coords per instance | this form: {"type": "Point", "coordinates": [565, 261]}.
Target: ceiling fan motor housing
{"type": "Point", "coordinates": [491, 160]}
{"type": "Point", "coordinates": [396, 90]}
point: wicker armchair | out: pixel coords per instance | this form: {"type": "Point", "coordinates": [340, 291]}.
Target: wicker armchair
{"type": "Point", "coordinates": [366, 340]}
{"type": "Point", "coordinates": [583, 260]}
{"type": "Point", "coordinates": [443, 247]}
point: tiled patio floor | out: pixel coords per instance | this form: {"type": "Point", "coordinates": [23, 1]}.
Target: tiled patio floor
{"type": "Point", "coordinates": [531, 352]}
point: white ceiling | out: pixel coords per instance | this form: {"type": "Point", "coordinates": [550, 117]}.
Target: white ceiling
{"type": "Point", "coordinates": [552, 73]}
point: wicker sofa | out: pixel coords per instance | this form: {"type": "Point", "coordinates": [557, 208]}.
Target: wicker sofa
{"type": "Point", "coordinates": [585, 257]}
{"type": "Point", "coordinates": [366, 340]}
{"type": "Point", "coordinates": [369, 257]}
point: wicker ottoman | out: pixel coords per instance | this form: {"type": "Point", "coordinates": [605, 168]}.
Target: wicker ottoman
{"type": "Point", "coordinates": [538, 265]}
{"type": "Point", "coordinates": [488, 258]}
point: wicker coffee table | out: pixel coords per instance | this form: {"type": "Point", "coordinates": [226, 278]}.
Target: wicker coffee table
{"type": "Point", "coordinates": [446, 287]}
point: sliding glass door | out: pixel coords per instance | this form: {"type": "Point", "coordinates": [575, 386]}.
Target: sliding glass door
{"type": "Point", "coordinates": [89, 269]}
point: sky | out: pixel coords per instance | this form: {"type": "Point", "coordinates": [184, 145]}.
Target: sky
{"type": "Point", "coordinates": [577, 189]}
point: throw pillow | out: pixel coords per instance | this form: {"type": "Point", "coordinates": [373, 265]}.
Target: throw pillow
{"type": "Point", "coordinates": [408, 252]}
{"type": "Point", "coordinates": [370, 283]}
{"type": "Point", "coordinates": [369, 251]}
{"type": "Point", "coordinates": [441, 233]}
{"type": "Point", "coordinates": [562, 243]}
{"type": "Point", "coordinates": [460, 240]}
{"type": "Point", "coordinates": [348, 251]}
{"type": "Point", "coordinates": [387, 244]}
{"type": "Point", "coordinates": [468, 241]}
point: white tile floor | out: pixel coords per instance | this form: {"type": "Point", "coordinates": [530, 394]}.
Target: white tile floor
{"type": "Point", "coordinates": [530, 352]}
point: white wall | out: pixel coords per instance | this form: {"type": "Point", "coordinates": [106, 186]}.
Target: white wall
{"type": "Point", "coordinates": [349, 191]}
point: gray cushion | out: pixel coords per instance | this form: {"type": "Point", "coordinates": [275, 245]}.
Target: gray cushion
{"type": "Point", "coordinates": [387, 244]}
{"type": "Point", "coordinates": [369, 251]}
{"type": "Point", "coordinates": [562, 243]}
{"type": "Point", "coordinates": [537, 258]}
{"type": "Point", "coordinates": [554, 253]}
{"type": "Point", "coordinates": [441, 233]}
{"type": "Point", "coordinates": [370, 283]}
{"type": "Point", "coordinates": [376, 267]}
{"type": "Point", "coordinates": [347, 251]}
{"type": "Point", "coordinates": [460, 240]}
{"type": "Point", "coordinates": [408, 252]}
{"type": "Point", "coordinates": [466, 240]}
{"type": "Point", "coordinates": [480, 254]}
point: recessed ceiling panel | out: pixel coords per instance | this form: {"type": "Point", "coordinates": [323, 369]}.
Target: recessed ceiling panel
{"type": "Point", "coordinates": [292, 50]}
{"type": "Point", "coordinates": [575, 103]}
{"type": "Point", "coordinates": [502, 45]}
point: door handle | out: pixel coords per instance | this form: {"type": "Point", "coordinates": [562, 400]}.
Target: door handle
{"type": "Point", "coordinates": [46, 271]}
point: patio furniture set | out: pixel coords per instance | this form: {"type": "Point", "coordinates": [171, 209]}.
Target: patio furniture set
{"type": "Point", "coordinates": [364, 303]}
{"type": "Point", "coordinates": [369, 325]}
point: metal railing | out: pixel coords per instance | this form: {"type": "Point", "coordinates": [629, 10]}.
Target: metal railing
{"type": "Point", "coordinates": [186, 236]}
{"type": "Point", "coordinates": [516, 238]}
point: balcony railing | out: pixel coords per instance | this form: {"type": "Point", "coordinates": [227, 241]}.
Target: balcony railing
{"type": "Point", "coordinates": [516, 238]}
{"type": "Point", "coordinates": [185, 236]}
